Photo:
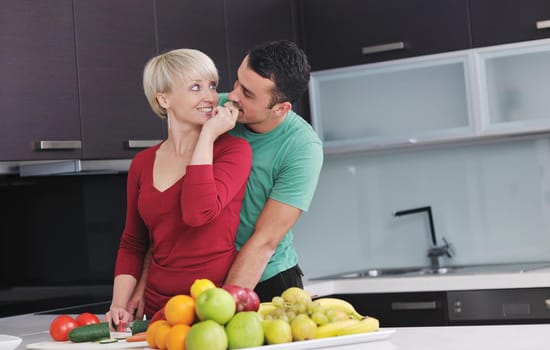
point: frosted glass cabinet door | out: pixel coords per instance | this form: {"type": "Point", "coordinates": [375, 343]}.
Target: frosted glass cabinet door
{"type": "Point", "coordinates": [515, 88]}
{"type": "Point", "coordinates": [392, 102]}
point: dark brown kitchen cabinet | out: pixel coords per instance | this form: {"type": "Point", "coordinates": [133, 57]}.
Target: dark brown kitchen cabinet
{"type": "Point", "coordinates": [350, 32]}
{"type": "Point", "coordinates": [224, 29]}
{"type": "Point", "coordinates": [405, 309]}
{"type": "Point", "coordinates": [198, 25]}
{"type": "Point", "coordinates": [506, 21]}
{"type": "Point", "coordinates": [251, 22]}
{"type": "Point", "coordinates": [38, 89]}
{"type": "Point", "coordinates": [114, 40]}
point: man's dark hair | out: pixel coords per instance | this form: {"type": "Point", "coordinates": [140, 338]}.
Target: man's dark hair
{"type": "Point", "coordinates": [285, 64]}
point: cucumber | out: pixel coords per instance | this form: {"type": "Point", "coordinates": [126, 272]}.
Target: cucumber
{"type": "Point", "coordinates": [91, 332]}
{"type": "Point", "coordinates": [108, 341]}
{"type": "Point", "coordinates": [140, 326]}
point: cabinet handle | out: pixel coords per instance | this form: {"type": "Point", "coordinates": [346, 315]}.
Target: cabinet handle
{"type": "Point", "coordinates": [55, 145]}
{"type": "Point", "coordinates": [543, 24]}
{"type": "Point", "coordinates": [369, 50]}
{"type": "Point", "coordinates": [414, 305]}
{"type": "Point", "coordinates": [133, 144]}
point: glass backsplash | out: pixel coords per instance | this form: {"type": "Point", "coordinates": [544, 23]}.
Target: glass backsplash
{"type": "Point", "coordinates": [491, 201]}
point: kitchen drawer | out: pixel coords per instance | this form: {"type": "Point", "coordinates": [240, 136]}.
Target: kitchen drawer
{"type": "Point", "coordinates": [401, 309]}
{"type": "Point", "coordinates": [526, 305]}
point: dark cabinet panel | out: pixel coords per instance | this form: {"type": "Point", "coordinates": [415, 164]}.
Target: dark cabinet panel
{"type": "Point", "coordinates": [402, 309]}
{"type": "Point", "coordinates": [114, 40]}
{"type": "Point", "coordinates": [351, 32]}
{"type": "Point", "coordinates": [38, 93]}
{"type": "Point", "coordinates": [250, 22]}
{"type": "Point", "coordinates": [197, 25]}
{"type": "Point", "coordinates": [505, 21]}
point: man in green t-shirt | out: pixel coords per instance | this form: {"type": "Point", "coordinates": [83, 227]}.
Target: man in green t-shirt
{"type": "Point", "coordinates": [287, 160]}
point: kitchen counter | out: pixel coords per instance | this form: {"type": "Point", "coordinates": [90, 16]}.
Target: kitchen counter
{"type": "Point", "coordinates": [33, 328]}
{"type": "Point", "coordinates": [391, 284]}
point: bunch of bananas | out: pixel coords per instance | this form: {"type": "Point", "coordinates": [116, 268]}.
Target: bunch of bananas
{"type": "Point", "coordinates": [342, 318]}
{"type": "Point", "coordinates": [347, 327]}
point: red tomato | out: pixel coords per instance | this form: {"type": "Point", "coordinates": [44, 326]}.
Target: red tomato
{"type": "Point", "coordinates": [87, 318]}
{"type": "Point", "coordinates": [61, 326]}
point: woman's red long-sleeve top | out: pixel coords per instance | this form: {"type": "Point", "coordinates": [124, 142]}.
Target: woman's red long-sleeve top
{"type": "Point", "coordinates": [190, 227]}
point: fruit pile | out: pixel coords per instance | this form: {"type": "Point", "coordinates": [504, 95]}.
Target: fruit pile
{"type": "Point", "coordinates": [210, 318]}
{"type": "Point", "coordinates": [232, 318]}
{"type": "Point", "coordinates": [294, 316]}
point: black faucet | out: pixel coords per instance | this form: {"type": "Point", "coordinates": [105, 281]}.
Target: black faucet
{"type": "Point", "coordinates": [427, 209]}
{"type": "Point", "coordinates": [435, 253]}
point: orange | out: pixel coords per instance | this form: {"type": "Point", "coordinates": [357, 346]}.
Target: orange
{"type": "Point", "coordinates": [150, 335]}
{"type": "Point", "coordinates": [180, 309]}
{"type": "Point", "coordinates": [161, 336]}
{"type": "Point", "coordinates": [176, 337]}
{"type": "Point", "coordinates": [200, 285]}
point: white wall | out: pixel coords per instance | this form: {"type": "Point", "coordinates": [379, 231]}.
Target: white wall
{"type": "Point", "coordinates": [491, 201]}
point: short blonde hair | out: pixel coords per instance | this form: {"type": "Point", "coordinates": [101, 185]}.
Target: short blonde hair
{"type": "Point", "coordinates": [162, 71]}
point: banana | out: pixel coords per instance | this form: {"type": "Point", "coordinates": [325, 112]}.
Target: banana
{"type": "Point", "coordinates": [367, 324]}
{"type": "Point", "coordinates": [339, 304]}
{"type": "Point", "coordinates": [332, 329]}
{"type": "Point", "coordinates": [266, 308]}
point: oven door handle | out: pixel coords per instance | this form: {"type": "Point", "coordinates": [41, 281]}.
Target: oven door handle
{"type": "Point", "coordinates": [414, 305]}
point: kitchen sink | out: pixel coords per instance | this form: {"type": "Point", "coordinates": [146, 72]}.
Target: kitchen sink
{"type": "Point", "coordinates": [442, 271]}
{"type": "Point", "coordinates": [386, 272]}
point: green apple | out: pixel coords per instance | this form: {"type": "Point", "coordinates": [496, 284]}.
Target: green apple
{"type": "Point", "coordinates": [215, 304]}
{"type": "Point", "coordinates": [245, 330]}
{"type": "Point", "coordinates": [206, 335]}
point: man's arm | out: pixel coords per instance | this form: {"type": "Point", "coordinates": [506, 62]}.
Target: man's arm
{"type": "Point", "coordinates": [273, 223]}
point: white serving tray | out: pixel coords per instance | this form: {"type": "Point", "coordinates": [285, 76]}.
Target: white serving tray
{"type": "Point", "coordinates": [313, 344]}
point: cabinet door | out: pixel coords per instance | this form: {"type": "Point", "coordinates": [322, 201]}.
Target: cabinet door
{"type": "Point", "coordinates": [351, 32]}
{"type": "Point", "coordinates": [197, 25]}
{"type": "Point", "coordinates": [514, 87]}
{"type": "Point", "coordinates": [252, 22]}
{"type": "Point", "coordinates": [38, 91]}
{"type": "Point", "coordinates": [505, 21]}
{"type": "Point", "coordinates": [114, 41]}
{"type": "Point", "coordinates": [393, 104]}
{"type": "Point", "coordinates": [402, 309]}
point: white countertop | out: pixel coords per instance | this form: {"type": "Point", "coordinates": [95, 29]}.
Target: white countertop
{"type": "Point", "coordinates": [532, 279]}
{"type": "Point", "coordinates": [33, 328]}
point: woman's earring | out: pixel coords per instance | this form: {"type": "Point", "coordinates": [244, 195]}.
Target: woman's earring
{"type": "Point", "coordinates": [168, 120]}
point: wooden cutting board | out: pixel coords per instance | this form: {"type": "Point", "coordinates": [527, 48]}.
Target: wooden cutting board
{"type": "Point", "coordinates": [66, 345]}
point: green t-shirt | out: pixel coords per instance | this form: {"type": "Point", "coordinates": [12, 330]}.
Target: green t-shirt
{"type": "Point", "coordinates": [286, 163]}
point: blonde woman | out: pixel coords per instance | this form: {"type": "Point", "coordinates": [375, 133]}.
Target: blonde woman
{"type": "Point", "coordinates": [185, 194]}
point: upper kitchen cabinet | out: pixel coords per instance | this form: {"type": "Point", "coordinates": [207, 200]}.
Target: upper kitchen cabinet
{"type": "Point", "coordinates": [114, 40]}
{"type": "Point", "coordinates": [251, 22]}
{"type": "Point", "coordinates": [514, 86]}
{"type": "Point", "coordinates": [506, 21]}
{"type": "Point", "coordinates": [38, 94]}
{"type": "Point", "coordinates": [351, 32]}
{"type": "Point", "coordinates": [399, 103]}
{"type": "Point", "coordinates": [198, 25]}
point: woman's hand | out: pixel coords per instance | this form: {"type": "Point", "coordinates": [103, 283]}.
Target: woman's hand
{"type": "Point", "coordinates": [117, 314]}
{"type": "Point", "coordinates": [223, 120]}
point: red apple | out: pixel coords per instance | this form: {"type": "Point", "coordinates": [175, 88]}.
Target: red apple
{"type": "Point", "coordinates": [253, 303]}
{"type": "Point", "coordinates": [245, 298]}
{"type": "Point", "coordinates": [239, 294]}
